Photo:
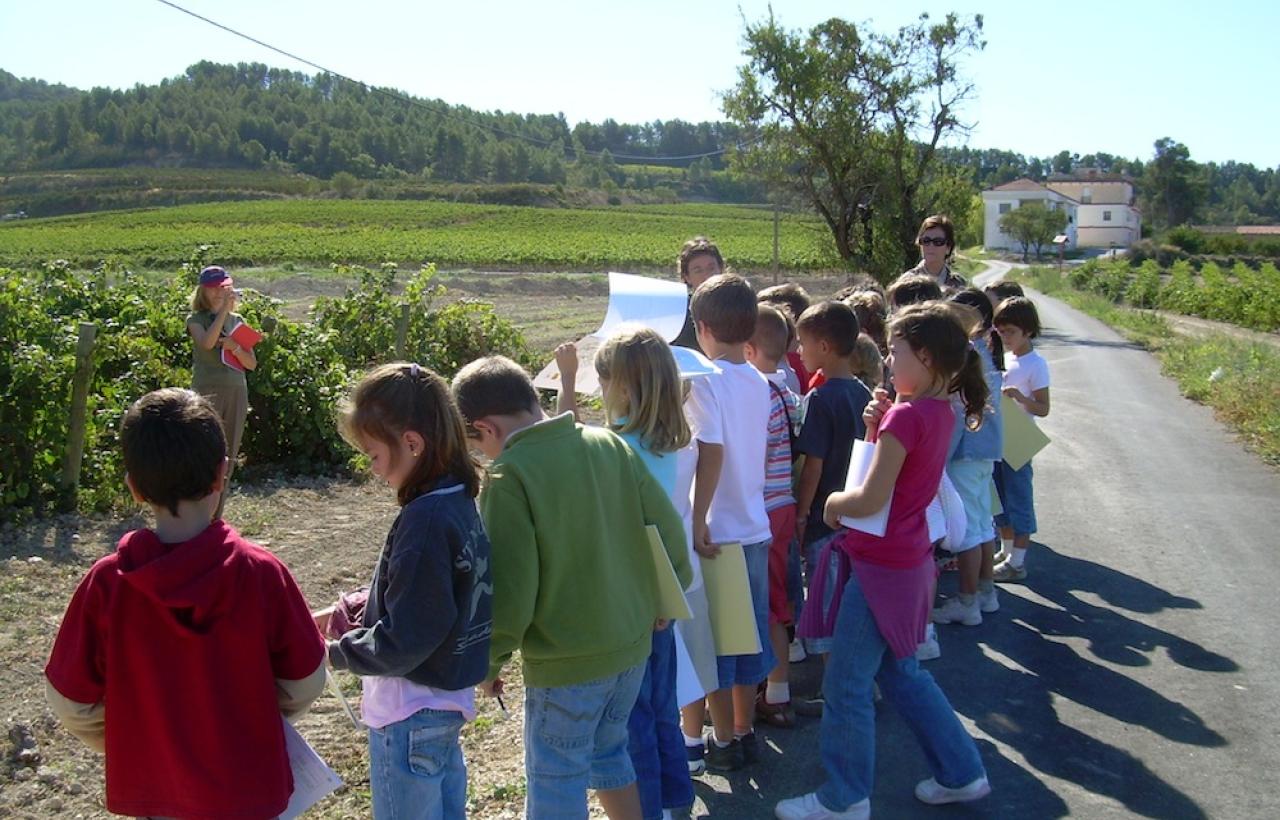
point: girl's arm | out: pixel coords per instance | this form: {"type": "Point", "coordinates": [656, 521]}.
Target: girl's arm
{"type": "Point", "coordinates": [567, 362]}
{"type": "Point", "coordinates": [207, 338]}
{"type": "Point", "coordinates": [875, 492]}
{"type": "Point", "coordinates": [1037, 404]}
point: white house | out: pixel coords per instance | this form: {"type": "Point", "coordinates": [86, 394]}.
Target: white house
{"type": "Point", "coordinates": [1004, 198]}
{"type": "Point", "coordinates": [1100, 209]}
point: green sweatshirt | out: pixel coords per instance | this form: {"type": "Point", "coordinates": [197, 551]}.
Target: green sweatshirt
{"type": "Point", "coordinates": [575, 589]}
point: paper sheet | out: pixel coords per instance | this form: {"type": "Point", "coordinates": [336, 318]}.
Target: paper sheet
{"type": "Point", "coordinates": [671, 601]}
{"type": "Point", "coordinates": [859, 467]}
{"type": "Point", "coordinates": [688, 687]}
{"type": "Point", "coordinates": [1022, 438]}
{"type": "Point", "coordinates": [313, 780]}
{"type": "Point", "coordinates": [658, 304]}
{"type": "Point", "coordinates": [733, 620]}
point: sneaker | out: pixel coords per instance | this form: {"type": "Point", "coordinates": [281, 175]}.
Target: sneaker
{"type": "Point", "coordinates": [932, 792]}
{"type": "Point", "coordinates": [1007, 573]}
{"type": "Point", "coordinates": [988, 602]}
{"type": "Point", "coordinates": [955, 611]}
{"type": "Point", "coordinates": [724, 758]}
{"type": "Point", "coordinates": [810, 706]}
{"type": "Point", "coordinates": [697, 757]}
{"type": "Point", "coordinates": [778, 715]}
{"type": "Point", "coordinates": [807, 807]}
{"type": "Point", "coordinates": [750, 749]}
{"type": "Point", "coordinates": [929, 648]}
{"type": "Point", "coordinates": [795, 651]}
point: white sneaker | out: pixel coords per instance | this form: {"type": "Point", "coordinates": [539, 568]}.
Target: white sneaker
{"type": "Point", "coordinates": [955, 611]}
{"type": "Point", "coordinates": [988, 602]}
{"type": "Point", "coordinates": [931, 792]}
{"type": "Point", "coordinates": [807, 807]}
{"type": "Point", "coordinates": [795, 651]}
{"type": "Point", "coordinates": [929, 649]}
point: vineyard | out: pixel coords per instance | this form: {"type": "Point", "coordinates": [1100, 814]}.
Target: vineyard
{"type": "Point", "coordinates": [305, 367]}
{"type": "Point", "coordinates": [409, 234]}
{"type": "Point", "coordinates": [1239, 295]}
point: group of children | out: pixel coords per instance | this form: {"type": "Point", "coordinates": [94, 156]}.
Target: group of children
{"type": "Point", "coordinates": [202, 640]}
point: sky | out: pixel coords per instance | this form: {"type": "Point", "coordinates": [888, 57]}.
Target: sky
{"type": "Point", "coordinates": [1087, 76]}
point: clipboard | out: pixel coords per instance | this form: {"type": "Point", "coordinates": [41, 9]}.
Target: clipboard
{"type": "Point", "coordinates": [672, 605]}
{"type": "Point", "coordinates": [733, 620]}
{"type": "Point", "coordinates": [1022, 437]}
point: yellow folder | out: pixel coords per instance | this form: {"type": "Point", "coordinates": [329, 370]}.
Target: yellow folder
{"type": "Point", "coordinates": [671, 601]}
{"type": "Point", "coordinates": [733, 620]}
{"type": "Point", "coordinates": [1022, 438]}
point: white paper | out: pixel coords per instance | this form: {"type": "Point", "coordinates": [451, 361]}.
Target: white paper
{"type": "Point", "coordinates": [688, 687]}
{"type": "Point", "coordinates": [313, 780]}
{"type": "Point", "coordinates": [859, 467]}
{"type": "Point", "coordinates": [658, 304]}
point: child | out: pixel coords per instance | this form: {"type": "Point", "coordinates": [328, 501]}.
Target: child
{"type": "Point", "coordinates": [832, 420]}
{"type": "Point", "coordinates": [870, 308]}
{"type": "Point", "coordinates": [643, 405]}
{"type": "Point", "coordinates": [765, 351]}
{"type": "Point", "coordinates": [699, 260]}
{"type": "Point", "coordinates": [1026, 381]}
{"type": "Point", "coordinates": [910, 289]}
{"type": "Point", "coordinates": [973, 455]}
{"type": "Point", "coordinates": [886, 600]}
{"type": "Point", "coordinates": [866, 364]}
{"type": "Point", "coordinates": [1004, 289]}
{"type": "Point", "coordinates": [566, 508]}
{"type": "Point", "coordinates": [729, 413]}
{"type": "Point", "coordinates": [197, 639]}
{"type": "Point", "coordinates": [211, 319]}
{"type": "Point", "coordinates": [793, 300]}
{"type": "Point", "coordinates": [423, 642]}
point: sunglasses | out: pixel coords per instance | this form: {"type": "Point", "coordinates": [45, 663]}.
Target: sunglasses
{"type": "Point", "coordinates": [936, 241]}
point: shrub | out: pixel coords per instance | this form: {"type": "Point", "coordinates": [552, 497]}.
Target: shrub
{"type": "Point", "coordinates": [1144, 289]}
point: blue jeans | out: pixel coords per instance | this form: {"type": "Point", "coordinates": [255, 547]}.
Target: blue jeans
{"type": "Point", "coordinates": [748, 670]}
{"type": "Point", "coordinates": [416, 767]}
{"type": "Point", "coordinates": [847, 738]}
{"type": "Point", "coordinates": [1017, 497]}
{"type": "Point", "coordinates": [656, 746]}
{"type": "Point", "coordinates": [812, 551]}
{"type": "Point", "coordinates": [575, 738]}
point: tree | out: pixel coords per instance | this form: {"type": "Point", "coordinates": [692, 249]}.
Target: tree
{"type": "Point", "coordinates": [1171, 185]}
{"type": "Point", "coordinates": [1033, 224]}
{"type": "Point", "coordinates": [849, 121]}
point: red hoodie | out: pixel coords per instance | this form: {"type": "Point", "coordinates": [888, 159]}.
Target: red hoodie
{"type": "Point", "coordinates": [184, 643]}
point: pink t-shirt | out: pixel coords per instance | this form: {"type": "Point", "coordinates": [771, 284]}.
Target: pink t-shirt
{"type": "Point", "coordinates": [923, 427]}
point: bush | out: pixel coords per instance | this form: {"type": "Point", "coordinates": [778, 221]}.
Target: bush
{"type": "Point", "coordinates": [1144, 290]}
{"type": "Point", "coordinates": [304, 368]}
{"type": "Point", "coordinates": [1186, 238]}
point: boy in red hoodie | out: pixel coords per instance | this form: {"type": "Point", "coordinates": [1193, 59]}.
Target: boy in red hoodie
{"type": "Point", "coordinates": [198, 639]}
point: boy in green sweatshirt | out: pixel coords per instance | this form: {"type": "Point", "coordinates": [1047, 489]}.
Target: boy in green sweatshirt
{"type": "Point", "coordinates": [575, 590]}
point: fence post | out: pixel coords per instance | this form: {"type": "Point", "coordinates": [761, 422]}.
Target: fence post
{"type": "Point", "coordinates": [402, 332]}
{"type": "Point", "coordinates": [79, 400]}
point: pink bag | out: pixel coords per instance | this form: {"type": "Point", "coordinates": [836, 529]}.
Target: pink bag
{"type": "Point", "coordinates": [348, 613]}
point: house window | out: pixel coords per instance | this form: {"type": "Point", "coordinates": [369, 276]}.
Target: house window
{"type": "Point", "coordinates": [1005, 207]}
{"type": "Point", "coordinates": [1106, 216]}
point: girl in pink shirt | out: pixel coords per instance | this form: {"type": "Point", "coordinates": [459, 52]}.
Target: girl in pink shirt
{"type": "Point", "coordinates": [886, 602]}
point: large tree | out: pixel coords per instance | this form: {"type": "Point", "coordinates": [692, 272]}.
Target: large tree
{"type": "Point", "coordinates": [1033, 225]}
{"type": "Point", "coordinates": [1172, 184]}
{"type": "Point", "coordinates": [849, 121]}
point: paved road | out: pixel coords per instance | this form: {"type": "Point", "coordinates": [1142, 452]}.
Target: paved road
{"type": "Point", "coordinates": [1135, 674]}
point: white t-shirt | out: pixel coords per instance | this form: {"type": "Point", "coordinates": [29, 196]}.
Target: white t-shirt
{"type": "Point", "coordinates": [1028, 373]}
{"type": "Point", "coordinates": [682, 500]}
{"type": "Point", "coordinates": [731, 408]}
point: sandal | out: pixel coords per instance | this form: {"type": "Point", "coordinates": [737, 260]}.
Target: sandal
{"type": "Point", "coordinates": [778, 715]}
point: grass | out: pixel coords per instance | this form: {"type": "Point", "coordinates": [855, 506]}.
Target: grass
{"type": "Point", "coordinates": [1240, 380]}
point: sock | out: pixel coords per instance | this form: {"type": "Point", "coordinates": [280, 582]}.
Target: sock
{"type": "Point", "coordinates": [1018, 556]}
{"type": "Point", "coordinates": [1006, 545]}
{"type": "Point", "coordinates": [720, 744]}
{"type": "Point", "coordinates": [777, 692]}
{"type": "Point", "coordinates": [986, 586]}
{"type": "Point", "coordinates": [692, 742]}
{"type": "Point", "coordinates": [740, 735]}
{"type": "Point", "coordinates": [966, 598]}
{"type": "Point", "coordinates": [667, 815]}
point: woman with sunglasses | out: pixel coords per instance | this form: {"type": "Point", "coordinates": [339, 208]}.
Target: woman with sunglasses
{"type": "Point", "coordinates": [937, 241]}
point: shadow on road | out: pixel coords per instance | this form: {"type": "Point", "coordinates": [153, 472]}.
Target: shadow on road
{"type": "Point", "coordinates": [1059, 339]}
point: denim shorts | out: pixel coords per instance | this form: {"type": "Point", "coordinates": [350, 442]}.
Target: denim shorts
{"type": "Point", "coordinates": [972, 480]}
{"type": "Point", "coordinates": [416, 767]}
{"type": "Point", "coordinates": [749, 670]}
{"type": "Point", "coordinates": [575, 738]}
{"type": "Point", "coordinates": [1016, 497]}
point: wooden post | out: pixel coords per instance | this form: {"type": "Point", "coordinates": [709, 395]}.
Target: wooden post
{"type": "Point", "coordinates": [402, 332]}
{"type": "Point", "coordinates": [79, 400]}
{"type": "Point", "coordinates": [776, 264]}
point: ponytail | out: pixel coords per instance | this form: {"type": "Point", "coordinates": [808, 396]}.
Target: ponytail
{"type": "Point", "coordinates": [970, 383]}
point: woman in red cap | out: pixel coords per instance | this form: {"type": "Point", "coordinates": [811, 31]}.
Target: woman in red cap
{"type": "Point", "coordinates": [213, 375]}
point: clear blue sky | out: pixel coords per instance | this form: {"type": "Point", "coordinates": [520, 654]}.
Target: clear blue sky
{"type": "Point", "coordinates": [1084, 76]}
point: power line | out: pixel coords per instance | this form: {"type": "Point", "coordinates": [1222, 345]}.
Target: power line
{"type": "Point", "coordinates": [435, 109]}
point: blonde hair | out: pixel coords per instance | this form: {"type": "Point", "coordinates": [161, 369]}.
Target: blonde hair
{"type": "Point", "coordinates": [200, 299]}
{"type": "Point", "coordinates": [644, 386]}
{"type": "Point", "coordinates": [866, 362]}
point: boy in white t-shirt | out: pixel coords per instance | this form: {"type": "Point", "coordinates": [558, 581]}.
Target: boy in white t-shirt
{"type": "Point", "coordinates": [729, 414]}
{"type": "Point", "coordinates": [1026, 381]}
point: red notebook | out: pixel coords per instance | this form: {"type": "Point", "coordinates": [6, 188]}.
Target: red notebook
{"type": "Point", "coordinates": [244, 336]}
